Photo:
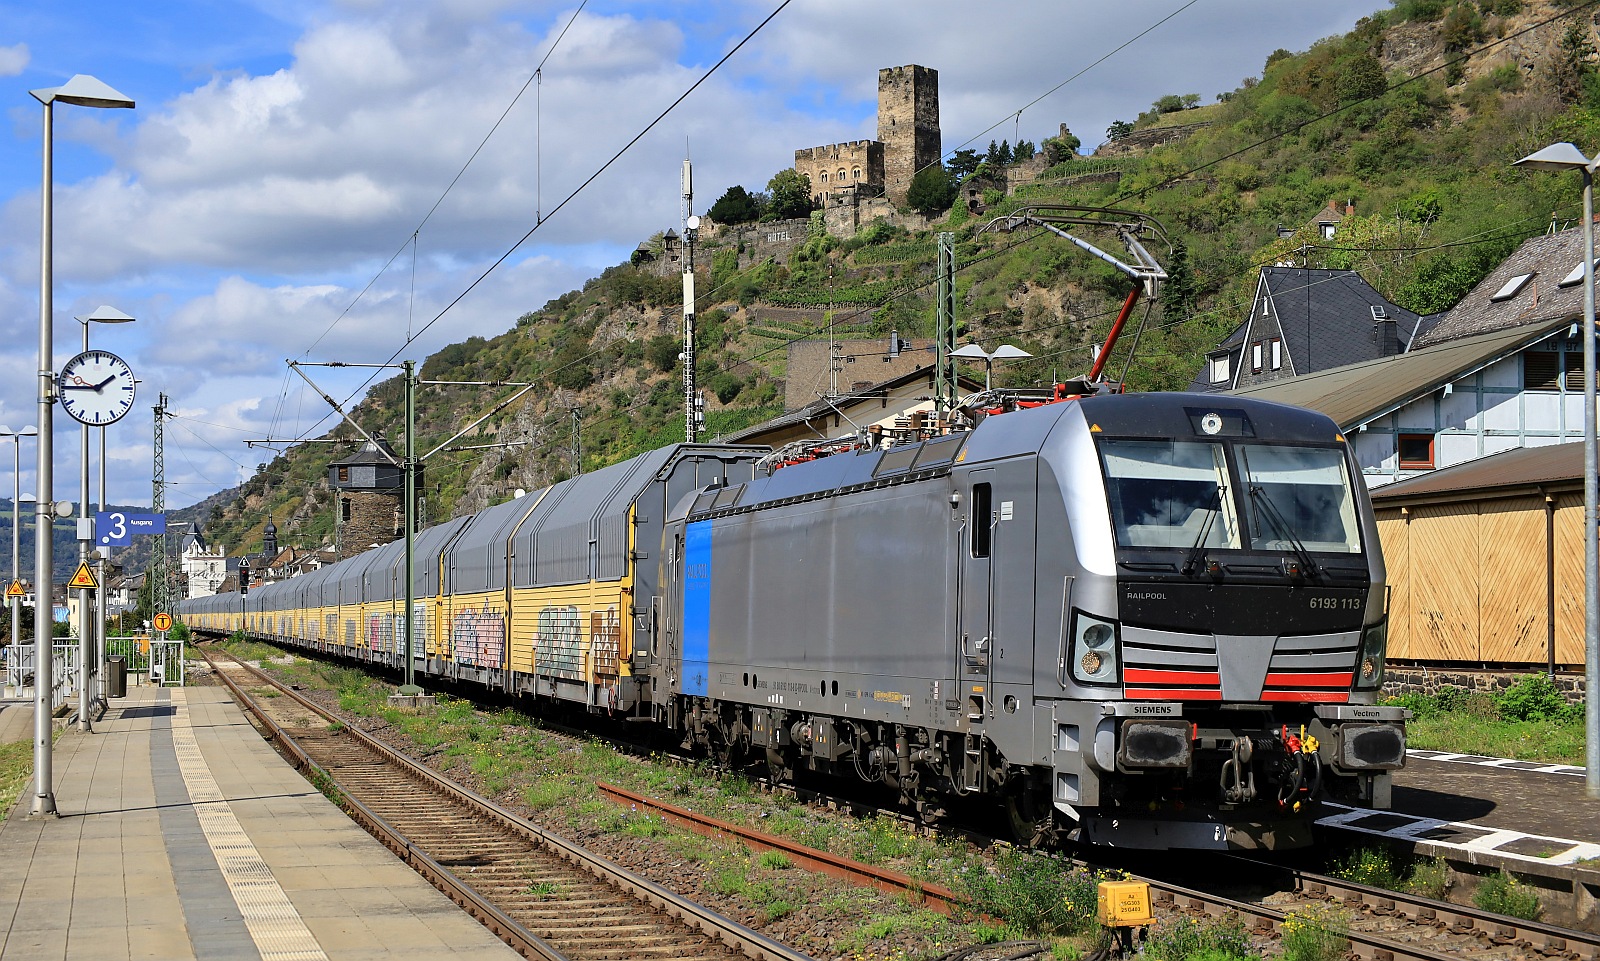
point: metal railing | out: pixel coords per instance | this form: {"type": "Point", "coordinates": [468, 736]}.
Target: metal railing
{"type": "Point", "coordinates": [19, 672]}
{"type": "Point", "coordinates": [158, 662]}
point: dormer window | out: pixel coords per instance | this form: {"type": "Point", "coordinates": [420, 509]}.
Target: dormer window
{"type": "Point", "coordinates": [1511, 287]}
{"type": "Point", "coordinates": [1219, 369]}
{"type": "Point", "coordinates": [1327, 230]}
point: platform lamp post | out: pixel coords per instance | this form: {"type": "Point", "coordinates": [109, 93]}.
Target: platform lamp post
{"type": "Point", "coordinates": [82, 91]}
{"type": "Point", "coordinates": [1003, 352]}
{"type": "Point", "coordinates": [90, 631]}
{"type": "Point", "coordinates": [16, 525]}
{"type": "Point", "coordinates": [1566, 156]}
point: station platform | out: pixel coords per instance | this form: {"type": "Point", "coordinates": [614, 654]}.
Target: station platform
{"type": "Point", "coordinates": [183, 836]}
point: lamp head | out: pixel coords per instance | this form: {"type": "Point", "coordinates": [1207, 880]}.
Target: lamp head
{"type": "Point", "coordinates": [971, 351]}
{"type": "Point", "coordinates": [1008, 352]}
{"type": "Point", "coordinates": [1557, 156]}
{"type": "Point", "coordinates": [83, 91]}
{"type": "Point", "coordinates": [106, 315]}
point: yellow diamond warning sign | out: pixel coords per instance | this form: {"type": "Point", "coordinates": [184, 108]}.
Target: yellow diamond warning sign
{"type": "Point", "coordinates": [16, 590]}
{"type": "Point", "coordinates": [84, 578]}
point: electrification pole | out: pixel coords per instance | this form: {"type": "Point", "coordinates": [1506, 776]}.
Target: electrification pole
{"type": "Point", "coordinates": [157, 569]}
{"type": "Point", "coordinates": [944, 389]}
{"type": "Point", "coordinates": [691, 226]}
{"type": "Point", "coordinates": [577, 442]}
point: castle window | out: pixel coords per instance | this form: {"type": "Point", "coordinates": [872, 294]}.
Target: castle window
{"type": "Point", "coordinates": [841, 175]}
{"type": "Point", "coordinates": [855, 173]}
{"type": "Point", "coordinates": [824, 176]}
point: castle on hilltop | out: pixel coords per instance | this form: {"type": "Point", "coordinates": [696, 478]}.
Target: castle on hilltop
{"type": "Point", "coordinates": [908, 140]}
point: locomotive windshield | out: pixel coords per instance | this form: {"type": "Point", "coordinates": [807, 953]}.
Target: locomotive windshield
{"type": "Point", "coordinates": [1182, 494]}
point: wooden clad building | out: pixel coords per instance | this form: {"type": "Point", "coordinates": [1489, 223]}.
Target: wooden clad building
{"type": "Point", "coordinates": [1485, 561]}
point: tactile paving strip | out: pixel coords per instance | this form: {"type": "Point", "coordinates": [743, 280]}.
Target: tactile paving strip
{"type": "Point", "coordinates": [274, 924]}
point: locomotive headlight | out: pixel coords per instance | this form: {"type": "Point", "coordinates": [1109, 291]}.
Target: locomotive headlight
{"type": "Point", "coordinates": [1374, 643]}
{"type": "Point", "coordinates": [1094, 655]}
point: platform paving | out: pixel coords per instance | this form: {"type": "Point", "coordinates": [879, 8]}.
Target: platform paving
{"type": "Point", "coordinates": [183, 836]}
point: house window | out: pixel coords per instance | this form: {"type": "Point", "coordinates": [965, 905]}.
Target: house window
{"type": "Point", "coordinates": [1550, 370]}
{"type": "Point", "coordinates": [1277, 353]}
{"type": "Point", "coordinates": [344, 475]}
{"type": "Point", "coordinates": [1416, 451]}
{"type": "Point", "coordinates": [1219, 369]}
{"type": "Point", "coordinates": [1327, 231]}
{"type": "Point", "coordinates": [1255, 357]}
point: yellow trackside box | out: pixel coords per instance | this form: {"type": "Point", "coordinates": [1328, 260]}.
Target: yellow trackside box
{"type": "Point", "coordinates": [1124, 904]}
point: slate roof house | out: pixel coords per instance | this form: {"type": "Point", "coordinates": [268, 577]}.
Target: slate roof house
{"type": "Point", "coordinates": [1305, 320]}
{"type": "Point", "coordinates": [1502, 369]}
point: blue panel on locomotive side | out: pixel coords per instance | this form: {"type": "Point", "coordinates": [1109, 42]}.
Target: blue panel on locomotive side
{"type": "Point", "coordinates": [697, 608]}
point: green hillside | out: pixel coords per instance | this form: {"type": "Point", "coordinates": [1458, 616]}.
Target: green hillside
{"type": "Point", "coordinates": [1413, 119]}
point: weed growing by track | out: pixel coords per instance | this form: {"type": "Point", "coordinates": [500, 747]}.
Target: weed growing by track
{"type": "Point", "coordinates": [1193, 939]}
{"type": "Point", "coordinates": [1316, 933]}
{"type": "Point", "coordinates": [1381, 867]}
{"type": "Point", "coordinates": [1503, 894]}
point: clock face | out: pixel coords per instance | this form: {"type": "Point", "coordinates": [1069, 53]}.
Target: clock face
{"type": "Point", "coordinates": [96, 388]}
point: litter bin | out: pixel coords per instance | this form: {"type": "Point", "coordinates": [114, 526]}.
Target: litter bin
{"type": "Point", "coordinates": [116, 676]}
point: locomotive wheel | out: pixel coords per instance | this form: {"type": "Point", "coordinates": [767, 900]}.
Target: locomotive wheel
{"type": "Point", "coordinates": [1032, 824]}
{"type": "Point", "coordinates": [778, 766]}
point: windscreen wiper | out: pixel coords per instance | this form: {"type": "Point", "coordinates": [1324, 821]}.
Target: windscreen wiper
{"type": "Point", "coordinates": [1267, 507]}
{"type": "Point", "coordinates": [1198, 550]}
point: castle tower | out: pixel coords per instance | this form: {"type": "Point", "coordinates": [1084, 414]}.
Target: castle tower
{"type": "Point", "coordinates": [908, 125]}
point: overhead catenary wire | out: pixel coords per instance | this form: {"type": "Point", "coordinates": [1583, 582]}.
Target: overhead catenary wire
{"type": "Point", "coordinates": [576, 191]}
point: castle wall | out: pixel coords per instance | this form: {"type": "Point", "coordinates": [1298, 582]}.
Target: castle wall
{"type": "Point", "coordinates": [908, 125]}
{"type": "Point", "coordinates": [836, 166]}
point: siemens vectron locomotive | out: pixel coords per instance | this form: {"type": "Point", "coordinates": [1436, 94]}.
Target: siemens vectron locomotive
{"type": "Point", "coordinates": [1151, 620]}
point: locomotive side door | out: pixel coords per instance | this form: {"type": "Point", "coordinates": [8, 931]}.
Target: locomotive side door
{"type": "Point", "coordinates": [975, 610]}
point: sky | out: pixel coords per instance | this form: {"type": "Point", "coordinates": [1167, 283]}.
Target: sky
{"type": "Point", "coordinates": [317, 181]}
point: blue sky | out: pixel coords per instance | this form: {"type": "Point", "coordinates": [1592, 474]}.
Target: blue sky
{"type": "Point", "coordinates": [283, 150]}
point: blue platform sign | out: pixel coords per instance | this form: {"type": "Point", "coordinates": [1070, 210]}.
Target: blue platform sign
{"type": "Point", "coordinates": [118, 528]}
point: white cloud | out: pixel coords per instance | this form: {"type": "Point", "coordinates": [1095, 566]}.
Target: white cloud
{"type": "Point", "coordinates": [13, 59]}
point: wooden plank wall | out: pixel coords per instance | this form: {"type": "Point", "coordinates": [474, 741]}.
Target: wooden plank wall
{"type": "Point", "coordinates": [1468, 580]}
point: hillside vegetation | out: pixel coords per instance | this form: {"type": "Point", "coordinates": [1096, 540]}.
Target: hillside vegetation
{"type": "Point", "coordinates": [1413, 118]}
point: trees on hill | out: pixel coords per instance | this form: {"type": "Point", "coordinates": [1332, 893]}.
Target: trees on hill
{"type": "Point", "coordinates": [736, 206]}
{"type": "Point", "coordinates": [932, 190]}
{"type": "Point", "coordinates": [790, 191]}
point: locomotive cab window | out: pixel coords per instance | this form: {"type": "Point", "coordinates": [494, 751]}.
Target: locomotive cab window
{"type": "Point", "coordinates": [982, 518]}
{"type": "Point", "coordinates": [1169, 494]}
{"type": "Point", "coordinates": [1299, 496]}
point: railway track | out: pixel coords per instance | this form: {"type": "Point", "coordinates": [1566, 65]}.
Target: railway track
{"type": "Point", "coordinates": [544, 896]}
{"type": "Point", "coordinates": [1387, 926]}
